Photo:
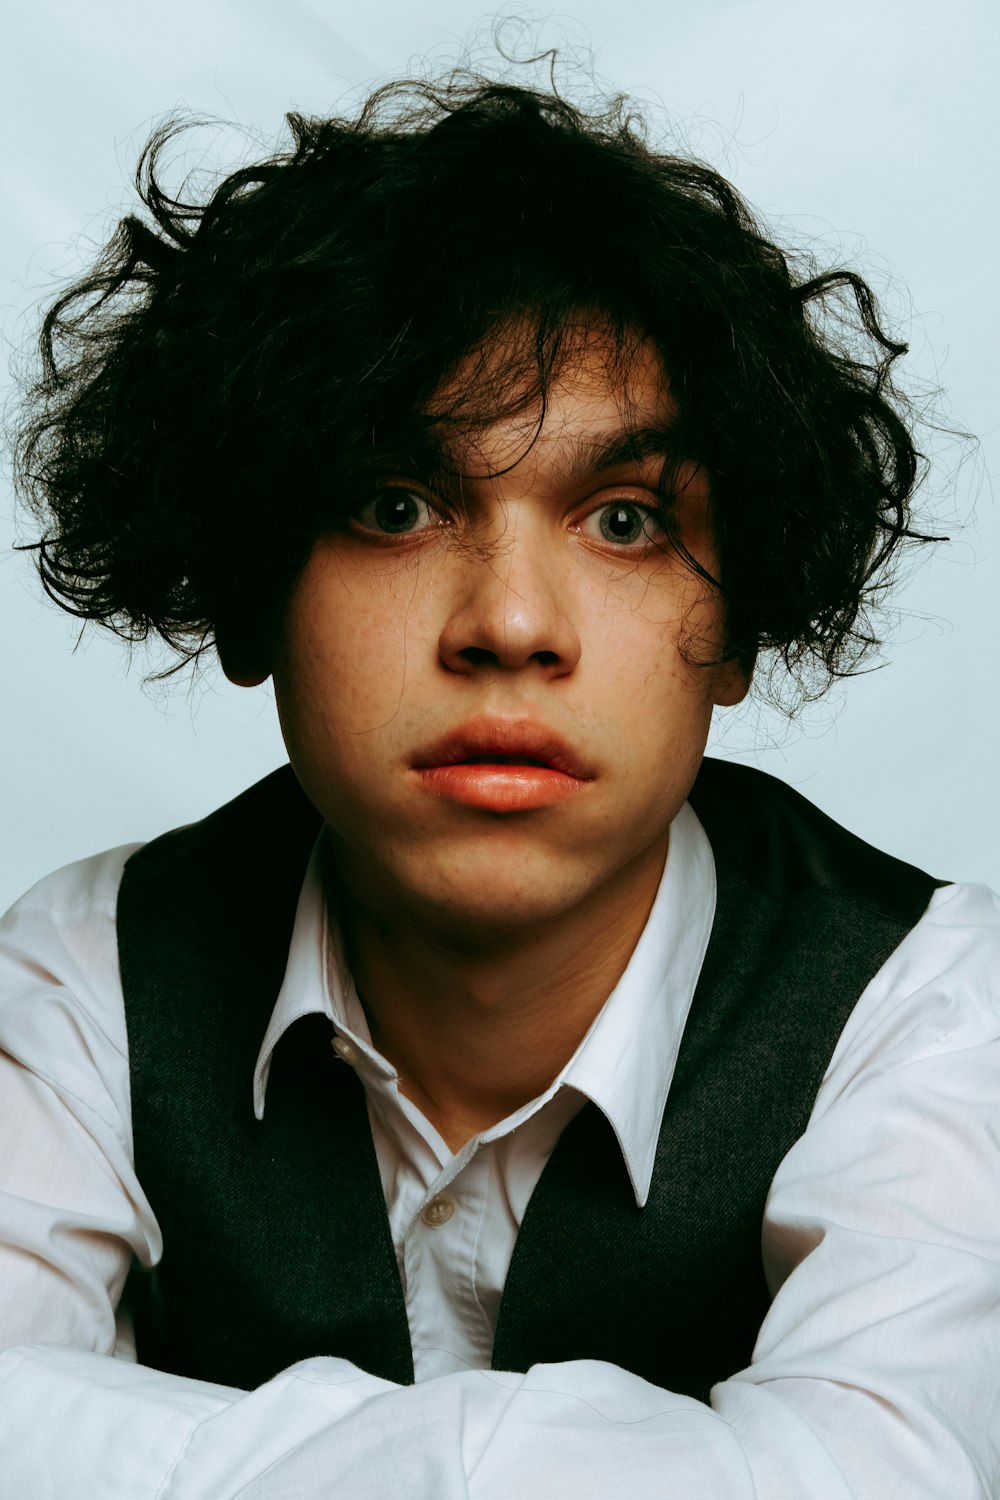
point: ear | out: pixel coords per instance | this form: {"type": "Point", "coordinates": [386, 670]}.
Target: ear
{"type": "Point", "coordinates": [732, 682]}
{"type": "Point", "coordinates": [243, 661]}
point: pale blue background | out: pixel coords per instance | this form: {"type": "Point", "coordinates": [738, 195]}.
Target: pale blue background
{"type": "Point", "coordinates": [869, 125]}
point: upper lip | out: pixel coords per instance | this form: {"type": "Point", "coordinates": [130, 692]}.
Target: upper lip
{"type": "Point", "coordinates": [518, 740]}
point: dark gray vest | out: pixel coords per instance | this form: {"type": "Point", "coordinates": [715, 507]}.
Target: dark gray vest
{"type": "Point", "coordinates": [276, 1240]}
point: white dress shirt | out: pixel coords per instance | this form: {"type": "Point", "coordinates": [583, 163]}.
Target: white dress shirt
{"type": "Point", "coordinates": [877, 1370]}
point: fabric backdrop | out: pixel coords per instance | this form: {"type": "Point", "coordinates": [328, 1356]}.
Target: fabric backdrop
{"type": "Point", "coordinates": [865, 131]}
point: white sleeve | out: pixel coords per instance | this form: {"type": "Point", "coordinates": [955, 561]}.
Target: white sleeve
{"type": "Point", "coordinates": [75, 1419]}
{"type": "Point", "coordinates": [73, 1214]}
{"type": "Point", "coordinates": [882, 1237]}
{"type": "Point", "coordinates": [877, 1372]}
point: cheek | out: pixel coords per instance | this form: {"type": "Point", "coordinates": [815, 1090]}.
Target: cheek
{"type": "Point", "coordinates": [351, 639]}
{"type": "Point", "coordinates": [653, 626]}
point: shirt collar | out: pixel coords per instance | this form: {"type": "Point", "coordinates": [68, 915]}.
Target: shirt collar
{"type": "Point", "coordinates": [624, 1064]}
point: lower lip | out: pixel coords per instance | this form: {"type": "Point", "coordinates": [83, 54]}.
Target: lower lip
{"type": "Point", "coordinates": [501, 788]}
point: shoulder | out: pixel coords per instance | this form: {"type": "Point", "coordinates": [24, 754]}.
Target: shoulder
{"type": "Point", "coordinates": [940, 983]}
{"type": "Point", "coordinates": [775, 840]}
{"type": "Point", "coordinates": [66, 921]}
{"type": "Point", "coordinates": [70, 916]}
{"type": "Point", "coordinates": [937, 996]}
{"type": "Point", "coordinates": [255, 825]}
{"type": "Point", "coordinates": [61, 1012]}
{"type": "Point", "coordinates": [194, 899]}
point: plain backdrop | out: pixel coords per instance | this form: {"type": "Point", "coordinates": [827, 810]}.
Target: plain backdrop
{"type": "Point", "coordinates": [866, 132]}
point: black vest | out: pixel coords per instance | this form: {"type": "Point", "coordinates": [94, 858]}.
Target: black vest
{"type": "Point", "coordinates": [276, 1239]}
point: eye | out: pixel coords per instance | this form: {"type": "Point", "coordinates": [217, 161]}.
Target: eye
{"type": "Point", "coordinates": [624, 523]}
{"type": "Point", "coordinates": [395, 512]}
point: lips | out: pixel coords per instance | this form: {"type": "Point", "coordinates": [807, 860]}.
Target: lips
{"type": "Point", "coordinates": [504, 742]}
{"type": "Point", "coordinates": [502, 765]}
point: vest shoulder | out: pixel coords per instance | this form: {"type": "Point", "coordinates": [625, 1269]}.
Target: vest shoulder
{"type": "Point", "coordinates": [272, 815]}
{"type": "Point", "coordinates": [784, 845]}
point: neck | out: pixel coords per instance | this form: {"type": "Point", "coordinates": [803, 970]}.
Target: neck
{"type": "Point", "coordinates": [477, 1027]}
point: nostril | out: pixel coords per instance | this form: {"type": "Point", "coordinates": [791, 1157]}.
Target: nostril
{"type": "Point", "coordinates": [478, 656]}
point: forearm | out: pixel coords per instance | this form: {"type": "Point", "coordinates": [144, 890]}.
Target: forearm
{"type": "Point", "coordinates": [82, 1424]}
{"type": "Point", "coordinates": [99, 1429]}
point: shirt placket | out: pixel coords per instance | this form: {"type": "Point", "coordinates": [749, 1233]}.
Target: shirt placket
{"type": "Point", "coordinates": [448, 1328]}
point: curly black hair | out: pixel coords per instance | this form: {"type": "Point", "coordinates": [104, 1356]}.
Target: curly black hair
{"type": "Point", "coordinates": [213, 393]}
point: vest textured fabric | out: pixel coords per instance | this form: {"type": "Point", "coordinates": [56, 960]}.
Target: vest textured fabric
{"type": "Point", "coordinates": [276, 1239]}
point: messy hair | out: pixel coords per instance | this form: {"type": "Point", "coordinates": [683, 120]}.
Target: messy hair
{"type": "Point", "coordinates": [214, 392]}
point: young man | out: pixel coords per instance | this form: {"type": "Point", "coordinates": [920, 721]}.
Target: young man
{"type": "Point", "coordinates": [500, 1100]}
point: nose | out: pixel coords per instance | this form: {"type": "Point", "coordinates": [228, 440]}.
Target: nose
{"type": "Point", "coordinates": [512, 608]}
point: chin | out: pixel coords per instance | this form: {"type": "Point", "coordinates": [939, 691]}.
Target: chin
{"type": "Point", "coordinates": [494, 928]}
{"type": "Point", "coordinates": [492, 898]}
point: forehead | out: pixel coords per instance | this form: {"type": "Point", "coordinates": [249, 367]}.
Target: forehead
{"type": "Point", "coordinates": [596, 401]}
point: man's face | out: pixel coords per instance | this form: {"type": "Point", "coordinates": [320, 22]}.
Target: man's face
{"type": "Point", "coordinates": [486, 691]}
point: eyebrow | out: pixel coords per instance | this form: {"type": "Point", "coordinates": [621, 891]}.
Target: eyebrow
{"type": "Point", "coordinates": [575, 461]}
{"type": "Point", "coordinates": [579, 458]}
{"type": "Point", "coordinates": [630, 445]}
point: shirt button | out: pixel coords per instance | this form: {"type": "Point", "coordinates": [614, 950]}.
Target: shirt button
{"type": "Point", "coordinates": [344, 1050]}
{"type": "Point", "coordinates": [438, 1211]}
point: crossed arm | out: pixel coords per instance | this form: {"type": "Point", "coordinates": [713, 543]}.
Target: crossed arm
{"type": "Point", "coordinates": [877, 1372]}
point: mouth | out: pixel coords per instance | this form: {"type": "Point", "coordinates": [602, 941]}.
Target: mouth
{"type": "Point", "coordinates": [502, 765]}
{"type": "Point", "coordinates": [504, 742]}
